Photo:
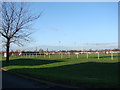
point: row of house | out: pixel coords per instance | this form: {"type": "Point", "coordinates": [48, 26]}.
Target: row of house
{"type": "Point", "coordinates": [58, 52]}
{"type": "Point", "coordinates": [10, 53]}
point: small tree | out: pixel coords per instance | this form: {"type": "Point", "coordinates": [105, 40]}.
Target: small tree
{"type": "Point", "coordinates": [16, 19]}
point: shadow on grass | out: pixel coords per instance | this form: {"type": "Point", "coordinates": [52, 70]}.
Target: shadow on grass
{"type": "Point", "coordinates": [90, 74]}
{"type": "Point", "coordinates": [28, 62]}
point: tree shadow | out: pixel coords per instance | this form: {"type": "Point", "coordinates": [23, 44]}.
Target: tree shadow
{"type": "Point", "coordinates": [28, 62]}
{"type": "Point", "coordinates": [90, 74]}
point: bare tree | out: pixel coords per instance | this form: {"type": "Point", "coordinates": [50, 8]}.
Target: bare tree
{"type": "Point", "coordinates": [16, 19]}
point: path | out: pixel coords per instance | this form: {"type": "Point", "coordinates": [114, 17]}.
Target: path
{"type": "Point", "coordinates": [12, 81]}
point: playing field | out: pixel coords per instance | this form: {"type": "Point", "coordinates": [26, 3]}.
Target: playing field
{"type": "Point", "coordinates": [79, 70]}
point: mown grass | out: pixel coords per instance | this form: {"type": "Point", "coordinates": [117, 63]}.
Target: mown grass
{"type": "Point", "coordinates": [91, 72]}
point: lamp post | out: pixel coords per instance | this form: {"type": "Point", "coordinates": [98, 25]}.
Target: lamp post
{"type": "Point", "coordinates": [49, 55]}
{"type": "Point", "coordinates": [98, 55]}
{"type": "Point", "coordinates": [60, 50]}
{"type": "Point", "coordinates": [44, 54]}
{"type": "Point", "coordinates": [61, 53]}
{"type": "Point", "coordinates": [111, 55]}
{"type": "Point", "coordinates": [87, 54]}
{"type": "Point", "coordinates": [69, 54]}
{"type": "Point", "coordinates": [77, 55]}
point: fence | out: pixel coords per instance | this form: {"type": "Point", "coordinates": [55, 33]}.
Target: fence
{"type": "Point", "coordinates": [61, 55]}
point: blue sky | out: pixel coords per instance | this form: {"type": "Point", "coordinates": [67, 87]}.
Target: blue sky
{"type": "Point", "coordinates": [78, 25]}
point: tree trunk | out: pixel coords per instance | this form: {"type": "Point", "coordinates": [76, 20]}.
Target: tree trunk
{"type": "Point", "coordinates": [7, 50]}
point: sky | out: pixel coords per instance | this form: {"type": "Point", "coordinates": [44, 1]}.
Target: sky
{"type": "Point", "coordinates": [74, 25]}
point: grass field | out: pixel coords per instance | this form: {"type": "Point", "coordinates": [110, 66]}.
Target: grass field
{"type": "Point", "coordinates": [91, 72]}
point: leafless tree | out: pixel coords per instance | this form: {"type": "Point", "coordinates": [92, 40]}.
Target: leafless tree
{"type": "Point", "coordinates": [16, 19]}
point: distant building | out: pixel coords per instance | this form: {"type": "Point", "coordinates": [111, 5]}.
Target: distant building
{"type": "Point", "coordinates": [18, 52]}
{"type": "Point", "coordinates": [4, 54]}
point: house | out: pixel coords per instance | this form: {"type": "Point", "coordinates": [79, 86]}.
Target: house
{"type": "Point", "coordinates": [4, 54]}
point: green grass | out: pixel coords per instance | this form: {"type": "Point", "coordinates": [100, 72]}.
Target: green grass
{"type": "Point", "coordinates": [91, 72]}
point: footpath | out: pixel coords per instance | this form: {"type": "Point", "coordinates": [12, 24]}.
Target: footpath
{"type": "Point", "coordinates": [15, 80]}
